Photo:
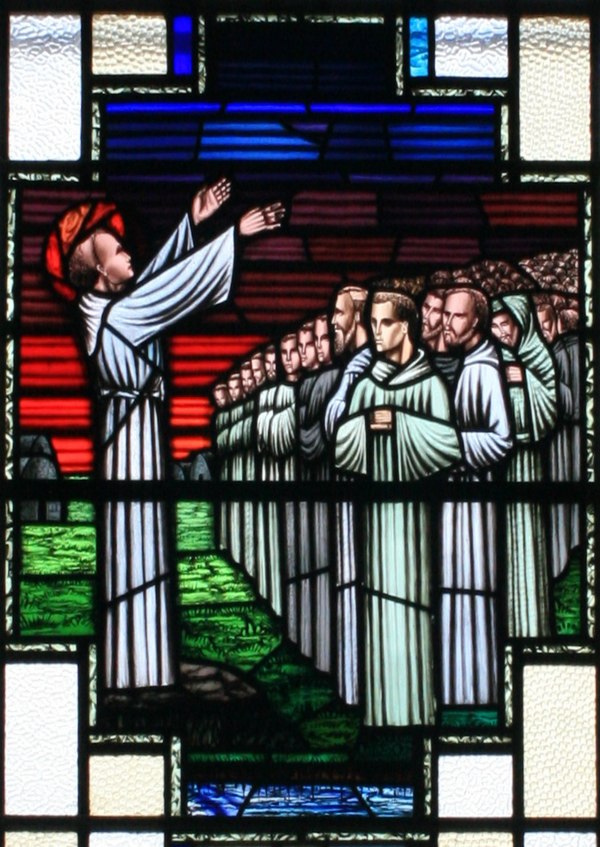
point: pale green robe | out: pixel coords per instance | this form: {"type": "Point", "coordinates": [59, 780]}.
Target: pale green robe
{"type": "Point", "coordinates": [222, 421]}
{"type": "Point", "coordinates": [534, 411]}
{"type": "Point", "coordinates": [236, 474]}
{"type": "Point", "coordinates": [267, 565]}
{"type": "Point", "coordinates": [397, 663]}
{"type": "Point", "coordinates": [281, 444]}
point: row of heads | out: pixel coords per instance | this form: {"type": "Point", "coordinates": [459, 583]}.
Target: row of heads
{"type": "Point", "coordinates": [393, 322]}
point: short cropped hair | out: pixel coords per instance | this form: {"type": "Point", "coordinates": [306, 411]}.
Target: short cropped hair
{"type": "Point", "coordinates": [404, 309]}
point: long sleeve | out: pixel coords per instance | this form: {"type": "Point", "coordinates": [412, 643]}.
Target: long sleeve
{"type": "Point", "coordinates": [202, 278]}
{"type": "Point", "coordinates": [282, 430]}
{"type": "Point", "coordinates": [179, 242]}
{"type": "Point", "coordinates": [482, 416]}
{"type": "Point", "coordinates": [540, 380]}
{"type": "Point", "coordinates": [337, 405]}
{"type": "Point", "coordinates": [351, 445]}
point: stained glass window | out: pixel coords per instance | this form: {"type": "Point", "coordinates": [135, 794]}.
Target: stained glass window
{"type": "Point", "coordinates": [299, 457]}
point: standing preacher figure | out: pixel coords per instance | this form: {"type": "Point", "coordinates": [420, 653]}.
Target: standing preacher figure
{"type": "Point", "coordinates": [122, 320]}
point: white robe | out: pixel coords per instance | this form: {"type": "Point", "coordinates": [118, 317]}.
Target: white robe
{"type": "Point", "coordinates": [309, 589]}
{"type": "Point", "coordinates": [533, 405]}
{"type": "Point", "coordinates": [281, 445]}
{"type": "Point", "coordinates": [268, 567]}
{"type": "Point", "coordinates": [469, 614]}
{"type": "Point", "coordinates": [236, 474]}
{"type": "Point", "coordinates": [564, 452]}
{"type": "Point", "coordinates": [121, 336]}
{"type": "Point", "coordinates": [346, 578]}
{"type": "Point", "coordinates": [221, 427]}
{"type": "Point", "coordinates": [397, 659]}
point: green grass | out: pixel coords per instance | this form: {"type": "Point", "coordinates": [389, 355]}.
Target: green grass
{"type": "Point", "coordinates": [194, 526]}
{"type": "Point", "coordinates": [57, 607]}
{"type": "Point", "coordinates": [80, 511]}
{"type": "Point", "coordinates": [470, 717]}
{"type": "Point", "coordinates": [58, 549]}
{"type": "Point", "coordinates": [209, 579]}
{"type": "Point", "coordinates": [224, 622]}
{"type": "Point", "coordinates": [567, 603]}
{"type": "Point", "coordinates": [240, 635]}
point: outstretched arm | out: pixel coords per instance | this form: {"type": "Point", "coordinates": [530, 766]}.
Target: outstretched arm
{"type": "Point", "coordinates": [205, 203]}
{"type": "Point", "coordinates": [261, 218]}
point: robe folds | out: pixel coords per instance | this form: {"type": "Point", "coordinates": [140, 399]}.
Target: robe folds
{"type": "Point", "coordinates": [397, 664]}
{"type": "Point", "coordinates": [121, 337]}
{"type": "Point", "coordinates": [268, 561]}
{"type": "Point", "coordinates": [236, 474]}
{"type": "Point", "coordinates": [346, 577]}
{"type": "Point", "coordinates": [309, 589]}
{"type": "Point", "coordinates": [248, 509]}
{"type": "Point", "coordinates": [565, 451]}
{"type": "Point", "coordinates": [221, 432]}
{"type": "Point", "coordinates": [469, 615]}
{"type": "Point", "coordinates": [242, 469]}
{"type": "Point", "coordinates": [533, 406]}
{"type": "Point", "coordinates": [282, 440]}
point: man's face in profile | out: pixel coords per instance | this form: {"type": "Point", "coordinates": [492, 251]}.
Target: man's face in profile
{"type": "Point", "coordinates": [234, 384]}
{"type": "Point", "coordinates": [221, 396]}
{"type": "Point", "coordinates": [460, 319]}
{"type": "Point", "coordinates": [114, 266]}
{"type": "Point", "coordinates": [505, 329]}
{"type": "Point", "coordinates": [548, 323]}
{"type": "Point", "coordinates": [258, 369]}
{"type": "Point", "coordinates": [322, 341]}
{"type": "Point", "coordinates": [389, 332]}
{"type": "Point", "coordinates": [343, 323]}
{"type": "Point", "coordinates": [290, 357]}
{"type": "Point", "coordinates": [271, 365]}
{"type": "Point", "coordinates": [248, 384]}
{"type": "Point", "coordinates": [307, 349]}
{"type": "Point", "coordinates": [431, 317]}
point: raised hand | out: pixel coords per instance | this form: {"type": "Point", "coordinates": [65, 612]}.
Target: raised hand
{"type": "Point", "coordinates": [262, 218]}
{"type": "Point", "coordinates": [209, 199]}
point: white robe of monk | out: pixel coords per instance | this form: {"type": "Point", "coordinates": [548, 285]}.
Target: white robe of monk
{"type": "Point", "coordinates": [469, 615]}
{"type": "Point", "coordinates": [397, 660]}
{"type": "Point", "coordinates": [281, 445]}
{"type": "Point", "coordinates": [121, 337]}
{"type": "Point", "coordinates": [268, 567]}
{"type": "Point", "coordinates": [346, 604]}
{"type": "Point", "coordinates": [533, 405]}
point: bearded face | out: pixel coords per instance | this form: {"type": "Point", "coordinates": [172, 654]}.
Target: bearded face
{"type": "Point", "coordinates": [431, 318]}
{"type": "Point", "coordinates": [257, 364]}
{"type": "Point", "coordinates": [460, 319]}
{"type": "Point", "coordinates": [505, 329]}
{"type": "Point", "coordinates": [271, 365]}
{"type": "Point", "coordinates": [343, 323]}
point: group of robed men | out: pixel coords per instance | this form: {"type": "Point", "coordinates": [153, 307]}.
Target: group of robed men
{"type": "Point", "coordinates": [467, 391]}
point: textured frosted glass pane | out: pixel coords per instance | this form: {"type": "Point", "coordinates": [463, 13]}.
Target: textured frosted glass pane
{"type": "Point", "coordinates": [45, 87]}
{"type": "Point", "coordinates": [127, 785]}
{"type": "Point", "coordinates": [560, 839]}
{"type": "Point", "coordinates": [559, 741]}
{"type": "Point", "coordinates": [475, 839]}
{"type": "Point", "coordinates": [40, 839]}
{"type": "Point", "coordinates": [127, 839]}
{"type": "Point", "coordinates": [41, 739]}
{"type": "Point", "coordinates": [555, 88]}
{"type": "Point", "coordinates": [129, 44]}
{"type": "Point", "coordinates": [471, 46]}
{"type": "Point", "coordinates": [475, 786]}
